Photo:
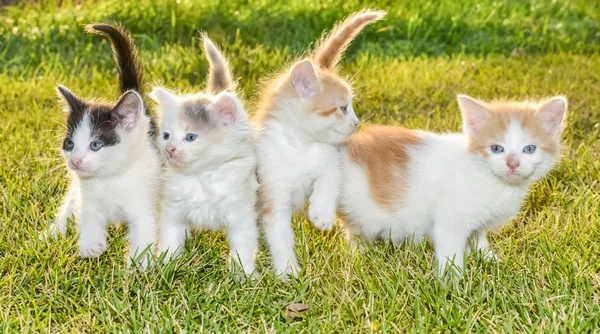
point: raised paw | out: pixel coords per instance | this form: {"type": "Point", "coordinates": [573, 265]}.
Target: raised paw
{"type": "Point", "coordinates": [92, 249]}
{"type": "Point", "coordinates": [322, 219]}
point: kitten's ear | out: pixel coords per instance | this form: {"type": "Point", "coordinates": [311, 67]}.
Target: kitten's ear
{"type": "Point", "coordinates": [552, 114]}
{"type": "Point", "coordinates": [128, 110]}
{"type": "Point", "coordinates": [162, 96]}
{"type": "Point", "coordinates": [74, 102]}
{"type": "Point", "coordinates": [305, 80]}
{"type": "Point", "coordinates": [225, 109]}
{"type": "Point", "coordinates": [474, 114]}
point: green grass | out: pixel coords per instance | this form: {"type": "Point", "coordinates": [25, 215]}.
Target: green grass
{"type": "Point", "coordinates": [407, 70]}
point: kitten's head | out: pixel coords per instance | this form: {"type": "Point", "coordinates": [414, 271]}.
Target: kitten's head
{"type": "Point", "coordinates": [316, 100]}
{"type": "Point", "coordinates": [199, 130]}
{"type": "Point", "coordinates": [203, 130]}
{"type": "Point", "coordinates": [101, 137]}
{"type": "Point", "coordinates": [518, 141]}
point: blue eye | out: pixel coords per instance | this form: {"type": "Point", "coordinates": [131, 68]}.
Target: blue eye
{"type": "Point", "coordinates": [529, 149]}
{"type": "Point", "coordinates": [497, 148]}
{"type": "Point", "coordinates": [191, 137]}
{"type": "Point", "coordinates": [68, 144]}
{"type": "Point", "coordinates": [344, 110]}
{"type": "Point", "coordinates": [166, 135]}
{"type": "Point", "coordinates": [96, 145]}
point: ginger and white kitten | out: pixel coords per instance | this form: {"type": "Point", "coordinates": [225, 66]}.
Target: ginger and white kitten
{"type": "Point", "coordinates": [305, 113]}
{"type": "Point", "coordinates": [210, 174]}
{"type": "Point", "coordinates": [450, 187]}
{"type": "Point", "coordinates": [115, 165]}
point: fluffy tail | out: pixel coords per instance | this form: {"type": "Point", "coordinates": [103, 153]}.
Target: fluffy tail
{"type": "Point", "coordinates": [329, 49]}
{"type": "Point", "coordinates": [125, 55]}
{"type": "Point", "coordinates": [219, 75]}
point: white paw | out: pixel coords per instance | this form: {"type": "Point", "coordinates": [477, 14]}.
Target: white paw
{"type": "Point", "coordinates": [321, 218]}
{"type": "Point", "coordinates": [55, 229]}
{"type": "Point", "coordinates": [93, 248]}
{"type": "Point", "coordinates": [490, 256]}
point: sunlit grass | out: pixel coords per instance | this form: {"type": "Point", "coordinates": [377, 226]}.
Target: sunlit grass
{"type": "Point", "coordinates": [407, 70]}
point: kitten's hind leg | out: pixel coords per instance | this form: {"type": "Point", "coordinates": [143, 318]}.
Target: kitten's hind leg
{"type": "Point", "coordinates": [173, 231]}
{"type": "Point", "coordinates": [243, 241]}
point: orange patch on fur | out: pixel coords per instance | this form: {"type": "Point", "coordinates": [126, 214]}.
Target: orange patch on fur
{"type": "Point", "coordinates": [279, 89]}
{"type": "Point", "coordinates": [502, 114]}
{"type": "Point", "coordinates": [383, 152]}
{"type": "Point", "coordinates": [328, 113]}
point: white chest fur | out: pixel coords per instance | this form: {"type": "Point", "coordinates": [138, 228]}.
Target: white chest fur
{"type": "Point", "coordinates": [209, 199]}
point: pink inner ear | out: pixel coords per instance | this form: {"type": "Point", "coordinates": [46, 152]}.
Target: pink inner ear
{"type": "Point", "coordinates": [130, 120]}
{"type": "Point", "coordinates": [227, 117]}
{"type": "Point", "coordinates": [226, 109]}
{"type": "Point", "coordinates": [304, 79]}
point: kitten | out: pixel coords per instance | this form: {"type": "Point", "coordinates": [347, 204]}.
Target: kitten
{"type": "Point", "coordinates": [305, 113]}
{"type": "Point", "coordinates": [210, 174]}
{"type": "Point", "coordinates": [115, 167]}
{"type": "Point", "coordinates": [450, 187]}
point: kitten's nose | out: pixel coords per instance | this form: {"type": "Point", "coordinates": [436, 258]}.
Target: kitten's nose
{"type": "Point", "coordinates": [76, 162]}
{"type": "Point", "coordinates": [513, 163]}
{"type": "Point", "coordinates": [171, 149]}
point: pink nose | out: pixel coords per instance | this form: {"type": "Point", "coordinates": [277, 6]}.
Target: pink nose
{"type": "Point", "coordinates": [76, 162]}
{"type": "Point", "coordinates": [171, 149]}
{"type": "Point", "coordinates": [513, 164]}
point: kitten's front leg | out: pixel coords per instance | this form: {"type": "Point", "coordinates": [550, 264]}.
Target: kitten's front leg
{"type": "Point", "coordinates": [483, 246]}
{"type": "Point", "coordinates": [66, 211]}
{"type": "Point", "coordinates": [173, 231]}
{"type": "Point", "coordinates": [92, 230]}
{"type": "Point", "coordinates": [242, 235]}
{"type": "Point", "coordinates": [142, 233]}
{"type": "Point", "coordinates": [449, 244]}
{"type": "Point", "coordinates": [276, 220]}
{"type": "Point", "coordinates": [323, 200]}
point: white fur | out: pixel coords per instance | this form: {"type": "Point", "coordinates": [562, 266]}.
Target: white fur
{"type": "Point", "coordinates": [212, 182]}
{"type": "Point", "coordinates": [117, 183]}
{"type": "Point", "coordinates": [298, 160]}
{"type": "Point", "coordinates": [452, 194]}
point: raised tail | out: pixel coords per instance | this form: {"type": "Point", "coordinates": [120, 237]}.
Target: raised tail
{"type": "Point", "coordinates": [219, 75]}
{"type": "Point", "coordinates": [125, 54]}
{"type": "Point", "coordinates": [329, 48]}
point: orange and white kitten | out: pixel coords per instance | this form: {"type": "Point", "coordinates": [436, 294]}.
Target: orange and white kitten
{"type": "Point", "coordinates": [304, 113]}
{"type": "Point", "coordinates": [399, 183]}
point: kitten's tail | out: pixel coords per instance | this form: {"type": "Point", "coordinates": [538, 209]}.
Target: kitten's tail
{"type": "Point", "coordinates": [219, 75]}
{"type": "Point", "coordinates": [125, 54]}
{"type": "Point", "coordinates": [329, 48]}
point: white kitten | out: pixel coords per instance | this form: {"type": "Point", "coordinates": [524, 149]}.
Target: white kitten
{"type": "Point", "coordinates": [450, 187]}
{"type": "Point", "coordinates": [305, 113]}
{"type": "Point", "coordinates": [210, 174]}
{"type": "Point", "coordinates": [116, 168]}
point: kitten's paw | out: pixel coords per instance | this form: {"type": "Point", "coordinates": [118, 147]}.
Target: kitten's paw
{"type": "Point", "coordinates": [322, 219]}
{"type": "Point", "coordinates": [55, 230]}
{"type": "Point", "coordinates": [92, 249]}
{"type": "Point", "coordinates": [490, 256]}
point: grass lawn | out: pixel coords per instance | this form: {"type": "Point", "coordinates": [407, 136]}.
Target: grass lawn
{"type": "Point", "coordinates": [408, 70]}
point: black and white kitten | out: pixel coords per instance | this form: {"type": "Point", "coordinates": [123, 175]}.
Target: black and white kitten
{"type": "Point", "coordinates": [110, 150]}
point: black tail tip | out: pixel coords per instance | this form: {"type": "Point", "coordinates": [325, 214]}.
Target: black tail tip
{"type": "Point", "coordinates": [96, 28]}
